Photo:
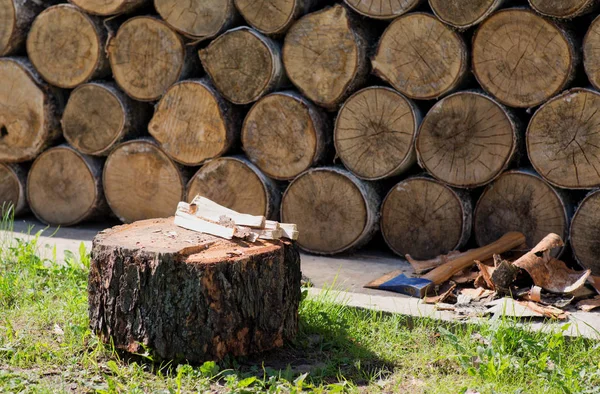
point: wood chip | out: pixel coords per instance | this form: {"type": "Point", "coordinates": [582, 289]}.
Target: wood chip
{"type": "Point", "coordinates": [589, 305]}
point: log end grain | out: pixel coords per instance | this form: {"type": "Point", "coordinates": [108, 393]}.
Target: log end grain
{"type": "Point", "coordinates": [563, 9]}
{"type": "Point", "coordinates": [199, 19]}
{"type": "Point", "coordinates": [270, 16]}
{"type": "Point", "coordinates": [585, 233]}
{"type": "Point", "coordinates": [382, 9]}
{"type": "Point", "coordinates": [13, 182]}
{"type": "Point", "coordinates": [8, 26]}
{"type": "Point", "coordinates": [591, 53]}
{"type": "Point", "coordinates": [463, 14]}
{"type": "Point", "coordinates": [107, 7]}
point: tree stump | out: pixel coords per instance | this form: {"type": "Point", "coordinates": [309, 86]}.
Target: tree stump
{"type": "Point", "coordinates": [13, 198]}
{"type": "Point", "coordinates": [29, 116]}
{"type": "Point", "coordinates": [244, 65]}
{"type": "Point", "coordinates": [147, 57]}
{"type": "Point", "coordinates": [585, 233]}
{"type": "Point", "coordinates": [563, 9]}
{"type": "Point", "coordinates": [375, 132]}
{"type": "Point", "coordinates": [334, 210]}
{"type": "Point", "coordinates": [424, 218]}
{"type": "Point", "coordinates": [191, 297]}
{"type": "Point", "coordinates": [273, 17]}
{"type": "Point", "coordinates": [524, 71]}
{"type": "Point", "coordinates": [64, 187]}
{"type": "Point", "coordinates": [237, 184]}
{"type": "Point", "coordinates": [591, 53]}
{"type": "Point", "coordinates": [108, 7]}
{"type": "Point", "coordinates": [383, 9]}
{"type": "Point", "coordinates": [98, 116]}
{"type": "Point", "coordinates": [421, 57]}
{"type": "Point", "coordinates": [193, 123]}
{"type": "Point", "coordinates": [284, 134]}
{"type": "Point", "coordinates": [16, 17]}
{"type": "Point", "coordinates": [198, 19]}
{"type": "Point", "coordinates": [463, 14]}
{"type": "Point", "coordinates": [563, 140]}
{"type": "Point", "coordinates": [520, 201]}
{"type": "Point", "coordinates": [325, 56]}
{"type": "Point", "coordinates": [66, 46]}
{"type": "Point", "coordinates": [142, 182]}
{"type": "Point", "coordinates": [467, 140]}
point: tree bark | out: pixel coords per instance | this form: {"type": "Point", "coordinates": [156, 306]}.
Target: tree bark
{"type": "Point", "coordinates": [16, 17]}
{"type": "Point", "coordinates": [13, 181]}
{"type": "Point", "coordinates": [108, 7]}
{"type": "Point", "coordinates": [585, 233]}
{"type": "Point", "coordinates": [463, 14]}
{"type": "Point", "coordinates": [194, 297]}
{"type": "Point", "coordinates": [273, 17]}
{"type": "Point", "coordinates": [563, 9]}
{"type": "Point", "coordinates": [383, 9]}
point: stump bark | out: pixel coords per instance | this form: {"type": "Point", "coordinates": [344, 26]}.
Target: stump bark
{"type": "Point", "coordinates": [521, 201]}
{"type": "Point", "coordinates": [64, 187]}
{"type": "Point", "coordinates": [13, 181]}
{"type": "Point", "coordinates": [591, 53]}
{"type": "Point", "coordinates": [147, 57]}
{"type": "Point", "coordinates": [108, 7]}
{"type": "Point", "coordinates": [142, 182]}
{"type": "Point", "coordinates": [193, 297]}
{"type": "Point", "coordinates": [244, 65]}
{"type": "Point", "coordinates": [563, 9]}
{"type": "Point", "coordinates": [30, 112]}
{"type": "Point", "coordinates": [563, 140]}
{"type": "Point", "coordinates": [467, 140]}
{"type": "Point", "coordinates": [421, 57]}
{"type": "Point", "coordinates": [463, 14]}
{"type": "Point", "coordinates": [335, 211]}
{"type": "Point", "coordinates": [524, 71]}
{"type": "Point", "coordinates": [284, 134]}
{"type": "Point", "coordinates": [273, 17]}
{"type": "Point", "coordinates": [237, 184]}
{"type": "Point", "coordinates": [375, 132]}
{"type": "Point", "coordinates": [383, 9]}
{"type": "Point", "coordinates": [16, 17]}
{"type": "Point", "coordinates": [66, 46]}
{"type": "Point", "coordinates": [98, 116]}
{"type": "Point", "coordinates": [325, 55]}
{"type": "Point", "coordinates": [424, 218]}
{"type": "Point", "coordinates": [585, 232]}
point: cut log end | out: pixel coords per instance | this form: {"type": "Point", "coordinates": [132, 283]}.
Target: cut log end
{"type": "Point", "coordinates": [375, 133]}
{"type": "Point", "coordinates": [142, 182]}
{"type": "Point", "coordinates": [108, 7]}
{"type": "Point", "coordinates": [585, 233]}
{"type": "Point", "coordinates": [382, 9]}
{"type": "Point", "coordinates": [466, 140]}
{"type": "Point", "coordinates": [199, 19]}
{"type": "Point", "coordinates": [13, 181]}
{"type": "Point", "coordinates": [464, 14]}
{"type": "Point", "coordinates": [335, 211]}
{"type": "Point", "coordinates": [8, 26]}
{"type": "Point", "coordinates": [270, 16]}
{"type": "Point", "coordinates": [424, 218]}
{"type": "Point", "coordinates": [591, 53]}
{"type": "Point", "coordinates": [431, 62]}
{"type": "Point", "coordinates": [563, 9]}
{"type": "Point", "coordinates": [526, 70]}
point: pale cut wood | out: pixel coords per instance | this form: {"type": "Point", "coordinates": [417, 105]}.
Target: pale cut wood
{"type": "Point", "coordinates": [284, 134]}
{"type": "Point", "coordinates": [519, 200]}
{"type": "Point", "coordinates": [424, 218]}
{"type": "Point", "coordinates": [244, 65]}
{"type": "Point", "coordinates": [98, 116]}
{"type": "Point", "coordinates": [13, 182]}
{"type": "Point", "coordinates": [142, 182]}
{"type": "Point", "coordinates": [325, 55]}
{"type": "Point", "coordinates": [195, 223]}
{"type": "Point", "coordinates": [273, 17]}
{"type": "Point", "coordinates": [29, 116]}
{"type": "Point", "coordinates": [108, 7]}
{"type": "Point", "coordinates": [421, 57]}
{"type": "Point", "coordinates": [334, 210]}
{"type": "Point", "coordinates": [64, 187]}
{"type": "Point", "coordinates": [193, 123]}
{"type": "Point", "coordinates": [203, 207]}
{"type": "Point", "coordinates": [66, 46]}
{"type": "Point", "coordinates": [591, 53]}
{"type": "Point", "coordinates": [585, 232]}
{"type": "Point", "coordinates": [563, 140]}
{"type": "Point", "coordinates": [198, 19]}
{"type": "Point", "coordinates": [521, 58]}
{"type": "Point", "coordinates": [463, 14]}
{"type": "Point", "coordinates": [237, 184]}
{"type": "Point", "coordinates": [375, 132]}
{"type": "Point", "coordinates": [467, 139]}
{"type": "Point", "coordinates": [16, 17]}
{"type": "Point", "coordinates": [563, 9]}
{"type": "Point", "coordinates": [383, 9]}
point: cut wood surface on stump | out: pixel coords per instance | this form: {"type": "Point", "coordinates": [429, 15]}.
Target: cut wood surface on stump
{"type": "Point", "coordinates": [463, 14]}
{"type": "Point", "coordinates": [16, 17]}
{"type": "Point", "coordinates": [325, 55]}
{"type": "Point", "coordinates": [335, 211]}
{"type": "Point", "coordinates": [585, 232]}
{"type": "Point", "coordinates": [284, 134]}
{"type": "Point", "coordinates": [563, 9]}
{"type": "Point", "coordinates": [424, 218]}
{"type": "Point", "coordinates": [236, 183]}
{"type": "Point", "coordinates": [64, 187]}
{"type": "Point", "coordinates": [198, 19]}
{"type": "Point", "coordinates": [13, 183]}
{"type": "Point", "coordinates": [192, 296]}
{"type": "Point", "coordinates": [142, 182]}
{"type": "Point", "coordinates": [244, 65]}
{"type": "Point", "coordinates": [30, 110]}
{"type": "Point", "coordinates": [193, 123]}
{"type": "Point", "coordinates": [99, 116]}
{"type": "Point", "coordinates": [563, 140]}
{"type": "Point", "coordinates": [466, 140]}
{"type": "Point", "coordinates": [375, 132]}
{"type": "Point", "coordinates": [520, 201]}
{"type": "Point", "coordinates": [521, 58]}
{"type": "Point", "coordinates": [421, 57]}
{"type": "Point", "coordinates": [66, 46]}
{"type": "Point", "coordinates": [383, 9]}
{"type": "Point", "coordinates": [108, 7]}
{"type": "Point", "coordinates": [273, 17]}
{"type": "Point", "coordinates": [591, 53]}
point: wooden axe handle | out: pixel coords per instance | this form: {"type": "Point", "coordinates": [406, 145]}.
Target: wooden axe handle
{"type": "Point", "coordinates": [444, 272]}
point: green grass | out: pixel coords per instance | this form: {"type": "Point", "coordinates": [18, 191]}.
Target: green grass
{"type": "Point", "coordinates": [46, 346]}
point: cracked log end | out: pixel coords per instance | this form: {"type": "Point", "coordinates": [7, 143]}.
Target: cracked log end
{"type": "Point", "coordinates": [563, 9]}
{"type": "Point", "coordinates": [424, 218]}
{"type": "Point", "coordinates": [13, 180]}
{"type": "Point", "coordinates": [464, 14]}
{"type": "Point", "coordinates": [192, 297]}
{"type": "Point", "coordinates": [108, 7]}
{"type": "Point", "coordinates": [585, 233]}
{"type": "Point", "coordinates": [197, 19]}
{"type": "Point", "coordinates": [382, 9]}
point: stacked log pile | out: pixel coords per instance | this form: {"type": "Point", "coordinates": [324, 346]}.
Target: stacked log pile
{"type": "Point", "coordinates": [439, 123]}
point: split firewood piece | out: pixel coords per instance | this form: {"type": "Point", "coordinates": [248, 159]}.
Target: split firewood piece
{"type": "Point", "coordinates": [198, 19]}
{"type": "Point", "coordinates": [520, 76]}
{"type": "Point", "coordinates": [195, 223]}
{"type": "Point", "coordinates": [444, 292]}
{"type": "Point", "coordinates": [422, 266]}
{"type": "Point", "coordinates": [548, 272]}
{"type": "Point", "coordinates": [108, 7]}
{"type": "Point", "coordinates": [563, 9]}
{"type": "Point", "coordinates": [421, 57]}
{"type": "Point", "coordinates": [464, 14]}
{"type": "Point", "coordinates": [383, 9]}
{"type": "Point", "coordinates": [289, 230]}
{"type": "Point", "coordinates": [203, 207]}
{"type": "Point", "coordinates": [589, 305]}
{"type": "Point", "coordinates": [13, 182]}
{"type": "Point", "coordinates": [273, 17]}
{"type": "Point", "coordinates": [585, 234]}
{"type": "Point", "coordinates": [546, 311]}
{"type": "Point", "coordinates": [485, 276]}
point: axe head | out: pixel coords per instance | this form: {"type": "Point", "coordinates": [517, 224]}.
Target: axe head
{"type": "Point", "coordinates": [414, 287]}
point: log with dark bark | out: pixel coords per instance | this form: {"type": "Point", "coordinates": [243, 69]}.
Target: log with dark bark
{"type": "Point", "coordinates": [563, 9]}
{"type": "Point", "coordinates": [463, 14]}
{"type": "Point", "coordinates": [108, 7]}
{"type": "Point", "coordinates": [16, 17]}
{"type": "Point", "coordinates": [192, 297]}
{"type": "Point", "coordinates": [13, 183]}
{"type": "Point", "coordinates": [585, 232]}
{"type": "Point", "coordinates": [383, 9]}
{"type": "Point", "coordinates": [198, 19]}
{"type": "Point", "coordinates": [273, 17]}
